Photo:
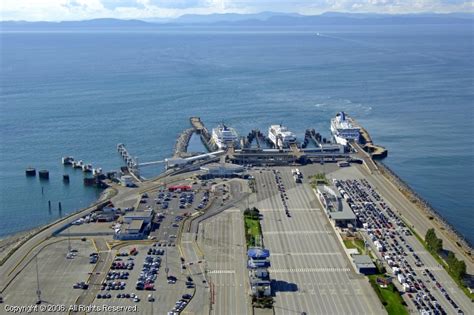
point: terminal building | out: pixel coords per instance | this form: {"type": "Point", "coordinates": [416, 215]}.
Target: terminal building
{"type": "Point", "coordinates": [336, 207]}
{"type": "Point", "coordinates": [133, 230]}
{"type": "Point", "coordinates": [259, 277]}
{"type": "Point", "coordinates": [221, 170]}
{"type": "Point", "coordinates": [136, 225]}
{"type": "Point", "coordinates": [146, 216]}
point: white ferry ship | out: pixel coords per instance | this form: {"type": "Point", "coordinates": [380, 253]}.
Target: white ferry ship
{"type": "Point", "coordinates": [223, 136]}
{"type": "Point", "coordinates": [343, 130]}
{"type": "Point", "coordinates": [281, 136]}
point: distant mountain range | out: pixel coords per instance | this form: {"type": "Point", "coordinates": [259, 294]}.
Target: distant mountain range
{"type": "Point", "coordinates": [258, 19]}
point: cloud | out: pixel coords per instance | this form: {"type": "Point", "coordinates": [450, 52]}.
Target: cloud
{"type": "Point", "coordinates": [55, 10]}
{"type": "Point", "coordinates": [113, 4]}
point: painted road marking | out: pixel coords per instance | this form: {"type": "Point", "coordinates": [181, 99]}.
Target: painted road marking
{"type": "Point", "coordinates": [297, 232]}
{"type": "Point", "coordinates": [307, 254]}
{"type": "Point", "coordinates": [291, 209]}
{"type": "Point", "coordinates": [221, 271]}
{"type": "Point", "coordinates": [309, 270]}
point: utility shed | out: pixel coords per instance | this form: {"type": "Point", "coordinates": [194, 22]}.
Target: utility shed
{"type": "Point", "coordinates": [364, 264]}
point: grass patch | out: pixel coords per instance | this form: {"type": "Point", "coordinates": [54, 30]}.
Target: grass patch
{"type": "Point", "coordinates": [318, 179]}
{"type": "Point", "coordinates": [359, 244]}
{"type": "Point", "coordinates": [253, 230]}
{"type": "Point", "coordinates": [390, 297]}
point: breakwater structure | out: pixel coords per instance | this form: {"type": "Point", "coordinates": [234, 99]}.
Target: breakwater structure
{"type": "Point", "coordinates": [375, 151]}
{"type": "Point", "coordinates": [182, 142]}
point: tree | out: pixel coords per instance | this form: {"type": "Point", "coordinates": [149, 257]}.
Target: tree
{"type": "Point", "coordinates": [429, 237]}
{"type": "Point", "coordinates": [438, 245]}
{"type": "Point", "coordinates": [459, 269]}
{"type": "Point", "coordinates": [433, 243]}
{"type": "Point", "coordinates": [451, 260]}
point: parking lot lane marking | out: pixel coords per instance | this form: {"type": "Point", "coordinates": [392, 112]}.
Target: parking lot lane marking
{"type": "Point", "coordinates": [222, 271]}
{"type": "Point", "coordinates": [299, 270]}
{"type": "Point", "coordinates": [297, 232]}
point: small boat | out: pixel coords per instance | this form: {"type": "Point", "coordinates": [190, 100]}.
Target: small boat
{"type": "Point", "coordinates": [87, 168]}
{"type": "Point", "coordinates": [68, 160]}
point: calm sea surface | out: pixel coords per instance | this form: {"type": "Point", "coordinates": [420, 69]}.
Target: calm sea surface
{"type": "Point", "coordinates": [81, 93]}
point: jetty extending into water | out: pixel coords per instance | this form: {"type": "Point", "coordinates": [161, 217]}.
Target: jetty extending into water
{"type": "Point", "coordinates": [203, 132]}
{"type": "Point", "coordinates": [182, 142]}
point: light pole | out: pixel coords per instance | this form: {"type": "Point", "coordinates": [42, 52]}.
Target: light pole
{"type": "Point", "coordinates": [38, 291]}
{"type": "Point", "coordinates": [166, 264]}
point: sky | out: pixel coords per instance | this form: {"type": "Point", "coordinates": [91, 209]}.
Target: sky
{"type": "Point", "coordinates": [61, 10]}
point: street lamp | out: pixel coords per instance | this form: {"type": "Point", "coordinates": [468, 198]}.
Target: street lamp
{"type": "Point", "coordinates": [38, 291]}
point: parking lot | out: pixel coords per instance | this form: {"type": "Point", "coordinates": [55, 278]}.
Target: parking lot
{"type": "Point", "coordinates": [161, 295]}
{"type": "Point", "coordinates": [56, 273]}
{"type": "Point", "coordinates": [223, 243]}
{"type": "Point", "coordinates": [171, 208]}
{"type": "Point", "coordinates": [427, 286]}
{"type": "Point", "coordinates": [310, 272]}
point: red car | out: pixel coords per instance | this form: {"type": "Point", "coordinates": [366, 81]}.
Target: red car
{"type": "Point", "coordinates": [149, 286]}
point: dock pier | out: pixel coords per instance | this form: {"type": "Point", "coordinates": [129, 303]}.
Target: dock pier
{"type": "Point", "coordinates": [131, 162]}
{"type": "Point", "coordinates": [259, 138]}
{"type": "Point", "coordinates": [375, 151]}
{"type": "Point", "coordinates": [313, 136]}
{"type": "Point", "coordinates": [201, 130]}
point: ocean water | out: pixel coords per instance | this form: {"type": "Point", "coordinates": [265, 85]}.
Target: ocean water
{"type": "Point", "coordinates": [81, 93]}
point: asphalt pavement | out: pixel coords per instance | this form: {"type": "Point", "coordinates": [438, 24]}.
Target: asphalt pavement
{"type": "Point", "coordinates": [310, 272]}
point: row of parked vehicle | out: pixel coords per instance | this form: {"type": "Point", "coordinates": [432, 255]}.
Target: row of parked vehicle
{"type": "Point", "coordinates": [186, 199]}
{"type": "Point", "coordinates": [204, 201]}
{"type": "Point", "coordinates": [115, 275]}
{"type": "Point", "coordinates": [149, 273]}
{"type": "Point", "coordinates": [156, 251]}
{"type": "Point", "coordinates": [281, 188]}
{"type": "Point", "coordinates": [388, 235]}
{"type": "Point", "coordinates": [113, 285]}
{"type": "Point", "coordinates": [180, 305]}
